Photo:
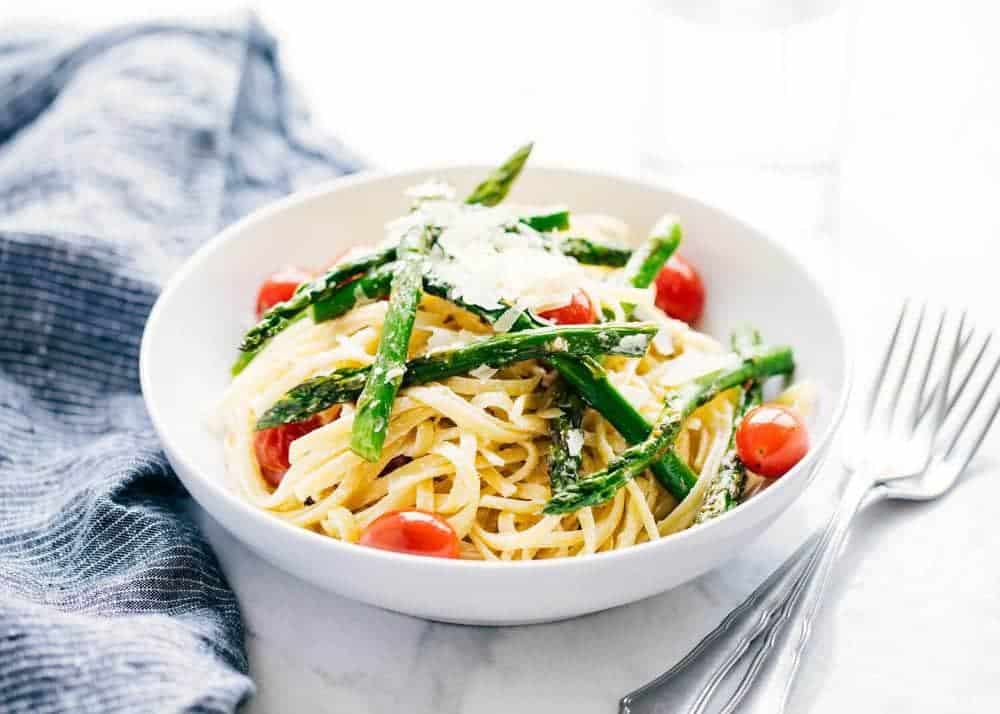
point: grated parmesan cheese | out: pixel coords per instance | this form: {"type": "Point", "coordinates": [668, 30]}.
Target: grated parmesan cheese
{"type": "Point", "coordinates": [507, 320]}
{"type": "Point", "coordinates": [483, 371]}
{"type": "Point", "coordinates": [489, 258]}
{"type": "Point", "coordinates": [634, 344]}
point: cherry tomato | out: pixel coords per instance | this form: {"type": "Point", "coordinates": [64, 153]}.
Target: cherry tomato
{"type": "Point", "coordinates": [271, 447]}
{"type": "Point", "coordinates": [279, 287]}
{"type": "Point", "coordinates": [771, 439]}
{"type": "Point", "coordinates": [679, 290]}
{"type": "Point", "coordinates": [412, 531]}
{"type": "Point", "coordinates": [578, 312]}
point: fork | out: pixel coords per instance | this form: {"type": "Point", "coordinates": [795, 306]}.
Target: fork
{"type": "Point", "coordinates": [902, 427]}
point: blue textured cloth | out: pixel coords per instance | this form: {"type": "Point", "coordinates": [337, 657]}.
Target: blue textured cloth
{"type": "Point", "coordinates": [119, 154]}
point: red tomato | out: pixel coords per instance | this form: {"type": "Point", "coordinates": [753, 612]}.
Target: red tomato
{"type": "Point", "coordinates": [279, 287]}
{"type": "Point", "coordinates": [578, 312]}
{"type": "Point", "coordinates": [271, 447]}
{"type": "Point", "coordinates": [679, 290]}
{"type": "Point", "coordinates": [412, 531]}
{"type": "Point", "coordinates": [771, 439]}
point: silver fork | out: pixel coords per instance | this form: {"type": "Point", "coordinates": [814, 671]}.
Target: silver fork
{"type": "Point", "coordinates": [901, 422]}
{"type": "Point", "coordinates": [766, 688]}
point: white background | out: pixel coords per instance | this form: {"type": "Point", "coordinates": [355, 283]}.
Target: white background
{"type": "Point", "coordinates": [910, 206]}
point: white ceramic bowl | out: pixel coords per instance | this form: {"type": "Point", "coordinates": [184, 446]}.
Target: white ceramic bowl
{"type": "Point", "coordinates": [191, 338]}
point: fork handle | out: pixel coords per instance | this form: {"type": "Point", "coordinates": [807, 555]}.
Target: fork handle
{"type": "Point", "coordinates": [767, 683]}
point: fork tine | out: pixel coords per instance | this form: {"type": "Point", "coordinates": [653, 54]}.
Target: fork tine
{"type": "Point", "coordinates": [966, 341]}
{"type": "Point", "coordinates": [894, 403]}
{"type": "Point", "coordinates": [915, 415]}
{"type": "Point", "coordinates": [949, 371]}
{"type": "Point", "coordinates": [968, 416]}
{"type": "Point", "coordinates": [981, 436]}
{"type": "Point", "coordinates": [968, 374]}
{"type": "Point", "coordinates": [886, 358]}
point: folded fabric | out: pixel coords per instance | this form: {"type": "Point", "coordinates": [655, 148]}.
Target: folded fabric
{"type": "Point", "coordinates": [119, 154]}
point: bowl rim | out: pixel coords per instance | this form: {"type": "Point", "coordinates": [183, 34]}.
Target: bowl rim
{"type": "Point", "coordinates": [813, 462]}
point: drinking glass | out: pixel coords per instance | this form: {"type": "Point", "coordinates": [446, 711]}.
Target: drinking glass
{"type": "Point", "coordinates": [745, 110]}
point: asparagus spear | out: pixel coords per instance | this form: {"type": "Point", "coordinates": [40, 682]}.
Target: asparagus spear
{"type": "Point", "coordinates": [640, 271]}
{"type": "Point", "coordinates": [567, 439]}
{"type": "Point", "coordinates": [554, 220]}
{"type": "Point", "coordinates": [646, 262]}
{"type": "Point", "coordinates": [601, 486]}
{"type": "Point", "coordinates": [496, 186]}
{"type": "Point", "coordinates": [724, 492]}
{"type": "Point", "coordinates": [345, 385]}
{"type": "Point", "coordinates": [371, 422]}
{"type": "Point", "coordinates": [590, 380]}
{"type": "Point", "coordinates": [281, 315]}
{"type": "Point", "coordinates": [245, 358]}
{"type": "Point", "coordinates": [590, 252]}
{"type": "Point", "coordinates": [373, 285]}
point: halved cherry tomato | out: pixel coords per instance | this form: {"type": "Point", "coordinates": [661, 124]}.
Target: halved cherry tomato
{"type": "Point", "coordinates": [578, 312]}
{"type": "Point", "coordinates": [679, 290]}
{"type": "Point", "coordinates": [412, 531]}
{"type": "Point", "coordinates": [271, 447]}
{"type": "Point", "coordinates": [771, 439]}
{"type": "Point", "coordinates": [279, 287]}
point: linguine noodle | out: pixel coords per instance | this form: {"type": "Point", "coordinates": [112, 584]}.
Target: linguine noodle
{"type": "Point", "coordinates": [471, 448]}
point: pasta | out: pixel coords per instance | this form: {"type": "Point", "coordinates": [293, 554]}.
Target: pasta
{"type": "Point", "coordinates": [476, 448]}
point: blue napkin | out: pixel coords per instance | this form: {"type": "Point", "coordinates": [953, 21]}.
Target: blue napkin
{"type": "Point", "coordinates": [119, 154]}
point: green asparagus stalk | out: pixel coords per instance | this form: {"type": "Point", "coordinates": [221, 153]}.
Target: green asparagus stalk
{"type": "Point", "coordinates": [640, 272]}
{"type": "Point", "coordinates": [724, 491]}
{"type": "Point", "coordinates": [567, 439]}
{"type": "Point", "coordinates": [591, 381]}
{"type": "Point", "coordinates": [281, 315]}
{"type": "Point", "coordinates": [245, 358]}
{"type": "Point", "coordinates": [584, 250]}
{"type": "Point", "coordinates": [601, 486]}
{"type": "Point", "coordinates": [345, 385]}
{"type": "Point", "coordinates": [372, 286]}
{"type": "Point", "coordinates": [496, 186]}
{"type": "Point", "coordinates": [590, 252]}
{"type": "Point", "coordinates": [553, 220]}
{"type": "Point", "coordinates": [371, 422]}
{"type": "Point", "coordinates": [646, 262]}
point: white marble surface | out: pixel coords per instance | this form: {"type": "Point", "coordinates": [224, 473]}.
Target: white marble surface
{"type": "Point", "coordinates": [913, 621]}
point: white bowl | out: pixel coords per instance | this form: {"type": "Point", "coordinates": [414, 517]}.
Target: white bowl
{"type": "Point", "coordinates": [192, 333]}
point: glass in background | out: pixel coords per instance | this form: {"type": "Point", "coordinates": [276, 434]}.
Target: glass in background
{"type": "Point", "coordinates": [745, 110]}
